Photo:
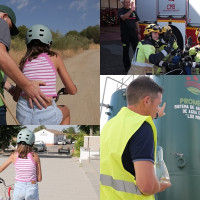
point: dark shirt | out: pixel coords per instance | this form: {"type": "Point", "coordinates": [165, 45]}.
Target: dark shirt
{"type": "Point", "coordinates": [139, 147]}
{"type": "Point", "coordinates": [128, 24]}
{"type": "Point", "coordinates": [4, 33]}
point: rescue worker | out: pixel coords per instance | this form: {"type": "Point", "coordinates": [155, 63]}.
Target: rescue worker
{"type": "Point", "coordinates": [166, 34]}
{"type": "Point", "coordinates": [128, 146]}
{"type": "Point", "coordinates": [145, 55]}
{"type": "Point", "coordinates": [129, 27]}
{"type": "Point", "coordinates": [195, 52]}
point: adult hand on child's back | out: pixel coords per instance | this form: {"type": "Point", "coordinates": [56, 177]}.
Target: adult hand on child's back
{"type": "Point", "coordinates": [35, 95]}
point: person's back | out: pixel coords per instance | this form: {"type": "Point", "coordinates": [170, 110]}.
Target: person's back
{"type": "Point", "coordinates": [25, 168]}
{"type": "Point", "coordinates": [42, 68]}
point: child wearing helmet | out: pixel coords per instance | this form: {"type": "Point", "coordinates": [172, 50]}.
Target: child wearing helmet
{"type": "Point", "coordinates": [27, 167]}
{"type": "Point", "coordinates": [145, 55]}
{"type": "Point", "coordinates": [41, 63]}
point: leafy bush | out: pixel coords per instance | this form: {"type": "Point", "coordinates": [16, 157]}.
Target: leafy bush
{"type": "Point", "coordinates": [79, 141]}
{"type": "Point", "coordinates": [72, 40]}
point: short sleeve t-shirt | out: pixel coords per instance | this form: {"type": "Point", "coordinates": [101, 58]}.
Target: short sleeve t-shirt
{"type": "Point", "coordinates": [5, 34]}
{"type": "Point", "coordinates": [140, 147]}
{"type": "Point", "coordinates": [4, 39]}
{"type": "Point", "coordinates": [128, 24]}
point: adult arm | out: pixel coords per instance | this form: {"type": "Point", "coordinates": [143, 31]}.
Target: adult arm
{"type": "Point", "coordinates": [31, 88]}
{"type": "Point", "coordinates": [146, 179]}
{"type": "Point", "coordinates": [138, 30]}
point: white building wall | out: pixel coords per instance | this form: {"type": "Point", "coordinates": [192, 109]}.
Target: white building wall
{"type": "Point", "coordinates": [45, 136]}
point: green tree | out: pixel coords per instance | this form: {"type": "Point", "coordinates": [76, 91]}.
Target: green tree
{"type": "Point", "coordinates": [39, 128]}
{"type": "Point", "coordinates": [7, 133]}
{"type": "Point", "coordinates": [72, 33]}
{"type": "Point", "coordinates": [92, 32]}
{"type": "Point", "coordinates": [70, 130]}
{"type": "Point", "coordinates": [89, 129]}
{"type": "Point", "coordinates": [22, 32]}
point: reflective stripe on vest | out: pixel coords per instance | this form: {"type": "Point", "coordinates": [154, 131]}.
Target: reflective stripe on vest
{"type": "Point", "coordinates": [119, 185]}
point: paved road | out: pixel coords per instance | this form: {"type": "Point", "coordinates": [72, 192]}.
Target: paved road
{"type": "Point", "coordinates": [63, 178]}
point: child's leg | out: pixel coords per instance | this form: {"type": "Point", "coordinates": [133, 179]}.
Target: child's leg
{"type": "Point", "coordinates": [66, 114]}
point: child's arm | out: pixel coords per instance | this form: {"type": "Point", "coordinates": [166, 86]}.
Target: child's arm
{"type": "Point", "coordinates": [65, 77]}
{"type": "Point", "coordinates": [38, 168]}
{"type": "Point", "coordinates": [6, 163]}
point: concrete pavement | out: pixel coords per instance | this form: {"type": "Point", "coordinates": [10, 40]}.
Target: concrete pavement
{"type": "Point", "coordinates": [111, 52]}
{"type": "Point", "coordinates": [63, 178]}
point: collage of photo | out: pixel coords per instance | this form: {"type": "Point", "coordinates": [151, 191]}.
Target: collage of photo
{"type": "Point", "coordinates": [99, 99]}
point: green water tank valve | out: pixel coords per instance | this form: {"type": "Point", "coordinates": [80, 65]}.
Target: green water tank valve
{"type": "Point", "coordinates": [181, 162]}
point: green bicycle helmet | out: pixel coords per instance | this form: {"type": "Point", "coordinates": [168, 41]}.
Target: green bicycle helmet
{"type": "Point", "coordinates": [39, 32]}
{"type": "Point", "coordinates": [26, 136]}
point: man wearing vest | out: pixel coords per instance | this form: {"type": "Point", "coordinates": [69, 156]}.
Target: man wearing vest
{"type": "Point", "coordinates": [10, 68]}
{"type": "Point", "coordinates": [128, 146]}
{"type": "Point", "coordinates": [145, 56]}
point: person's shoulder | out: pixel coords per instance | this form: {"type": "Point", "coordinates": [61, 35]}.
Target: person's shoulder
{"type": "Point", "coordinates": [3, 23]}
{"type": "Point", "coordinates": [147, 41]}
{"type": "Point", "coordinates": [35, 155]}
{"type": "Point", "coordinates": [13, 156]}
{"type": "Point", "coordinates": [57, 59]}
{"type": "Point", "coordinates": [146, 125]}
{"type": "Point", "coordinates": [122, 10]}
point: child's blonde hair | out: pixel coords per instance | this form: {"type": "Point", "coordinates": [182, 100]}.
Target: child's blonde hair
{"type": "Point", "coordinates": [23, 150]}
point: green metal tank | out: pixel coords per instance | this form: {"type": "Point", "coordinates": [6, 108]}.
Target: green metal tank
{"type": "Point", "coordinates": [179, 135]}
{"type": "Point", "coordinates": [118, 100]}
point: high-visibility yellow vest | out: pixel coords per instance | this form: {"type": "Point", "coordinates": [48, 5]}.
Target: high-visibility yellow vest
{"type": "Point", "coordinates": [116, 182]}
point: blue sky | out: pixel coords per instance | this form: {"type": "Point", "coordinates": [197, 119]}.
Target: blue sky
{"type": "Point", "coordinates": [58, 15]}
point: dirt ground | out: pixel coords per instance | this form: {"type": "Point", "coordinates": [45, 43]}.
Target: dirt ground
{"type": "Point", "coordinates": [84, 69]}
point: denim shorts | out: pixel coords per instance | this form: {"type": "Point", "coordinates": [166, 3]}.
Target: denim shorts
{"type": "Point", "coordinates": [25, 191]}
{"type": "Point", "coordinates": [26, 115]}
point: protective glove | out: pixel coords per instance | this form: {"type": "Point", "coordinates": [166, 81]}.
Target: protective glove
{"type": "Point", "coordinates": [163, 64]}
{"type": "Point", "coordinates": [186, 53]}
{"type": "Point", "coordinates": [197, 65]}
{"type": "Point", "coordinates": [169, 46]}
{"type": "Point", "coordinates": [197, 49]}
{"type": "Point", "coordinates": [172, 66]}
{"type": "Point", "coordinates": [187, 47]}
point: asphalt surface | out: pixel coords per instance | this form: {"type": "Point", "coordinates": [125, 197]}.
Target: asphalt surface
{"type": "Point", "coordinates": [63, 177]}
{"type": "Point", "coordinates": [111, 52]}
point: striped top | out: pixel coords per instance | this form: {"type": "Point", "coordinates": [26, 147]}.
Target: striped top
{"type": "Point", "coordinates": [42, 69]}
{"type": "Point", "coordinates": [25, 169]}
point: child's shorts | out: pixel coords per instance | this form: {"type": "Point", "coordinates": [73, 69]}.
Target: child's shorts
{"type": "Point", "coordinates": [26, 115]}
{"type": "Point", "coordinates": [25, 190]}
